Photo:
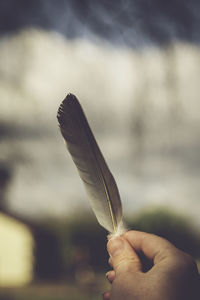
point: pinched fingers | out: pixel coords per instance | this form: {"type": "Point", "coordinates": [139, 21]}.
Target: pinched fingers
{"type": "Point", "coordinates": [123, 257]}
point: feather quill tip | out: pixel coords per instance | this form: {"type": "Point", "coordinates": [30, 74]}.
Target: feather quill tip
{"type": "Point", "coordinates": [121, 229]}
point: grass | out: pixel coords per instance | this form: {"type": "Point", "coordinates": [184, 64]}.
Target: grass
{"type": "Point", "coordinates": [55, 291]}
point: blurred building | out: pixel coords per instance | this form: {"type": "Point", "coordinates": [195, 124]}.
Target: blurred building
{"type": "Point", "coordinates": [16, 251]}
{"type": "Point", "coordinates": [17, 242]}
{"type": "Point", "coordinates": [27, 251]}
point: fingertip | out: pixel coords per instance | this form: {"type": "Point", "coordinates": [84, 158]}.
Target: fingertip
{"type": "Point", "coordinates": [122, 255]}
{"type": "Point", "coordinates": [110, 275]}
{"type": "Point", "coordinates": [131, 233]}
{"type": "Point", "coordinates": [115, 245]}
{"type": "Point", "coordinates": [106, 296]}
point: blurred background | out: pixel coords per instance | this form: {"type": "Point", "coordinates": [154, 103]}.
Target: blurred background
{"type": "Point", "coordinates": [135, 67]}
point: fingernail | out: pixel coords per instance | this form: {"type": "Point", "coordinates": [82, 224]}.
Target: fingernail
{"type": "Point", "coordinates": [110, 275]}
{"type": "Point", "coordinates": [107, 276]}
{"type": "Point", "coordinates": [115, 246]}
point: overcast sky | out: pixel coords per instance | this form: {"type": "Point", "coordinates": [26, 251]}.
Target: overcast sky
{"type": "Point", "coordinates": [142, 102]}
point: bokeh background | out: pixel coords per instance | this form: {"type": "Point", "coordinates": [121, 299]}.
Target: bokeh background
{"type": "Point", "coordinates": [135, 67]}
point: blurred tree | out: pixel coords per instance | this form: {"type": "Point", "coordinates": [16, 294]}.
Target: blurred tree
{"type": "Point", "coordinates": [82, 244]}
{"type": "Point", "coordinates": [88, 233]}
{"type": "Point", "coordinates": [83, 241]}
{"type": "Point", "coordinates": [175, 228]}
{"type": "Point", "coordinates": [48, 261]}
{"type": "Point", "coordinates": [5, 177]}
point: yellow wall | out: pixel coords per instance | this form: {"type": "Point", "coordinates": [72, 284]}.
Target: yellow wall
{"type": "Point", "coordinates": [16, 252]}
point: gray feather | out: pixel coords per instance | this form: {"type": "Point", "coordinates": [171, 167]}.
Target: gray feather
{"type": "Point", "coordinates": [99, 183]}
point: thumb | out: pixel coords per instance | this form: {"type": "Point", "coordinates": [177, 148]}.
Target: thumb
{"type": "Point", "coordinates": [123, 256]}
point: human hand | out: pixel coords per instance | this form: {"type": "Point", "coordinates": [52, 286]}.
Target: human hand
{"type": "Point", "coordinates": [174, 275]}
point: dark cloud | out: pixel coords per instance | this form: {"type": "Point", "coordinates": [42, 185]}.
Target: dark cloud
{"type": "Point", "coordinates": [134, 23]}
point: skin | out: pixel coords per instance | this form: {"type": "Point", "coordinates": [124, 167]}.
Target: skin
{"type": "Point", "coordinates": [172, 276]}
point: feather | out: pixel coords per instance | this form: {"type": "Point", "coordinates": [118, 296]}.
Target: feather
{"type": "Point", "coordinates": [99, 183]}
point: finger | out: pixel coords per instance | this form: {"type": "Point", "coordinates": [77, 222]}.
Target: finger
{"type": "Point", "coordinates": [154, 247]}
{"type": "Point", "coordinates": [124, 257]}
{"type": "Point", "coordinates": [110, 276]}
{"type": "Point", "coordinates": [106, 296]}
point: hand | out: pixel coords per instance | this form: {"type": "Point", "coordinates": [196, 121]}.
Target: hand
{"type": "Point", "coordinates": [173, 276]}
